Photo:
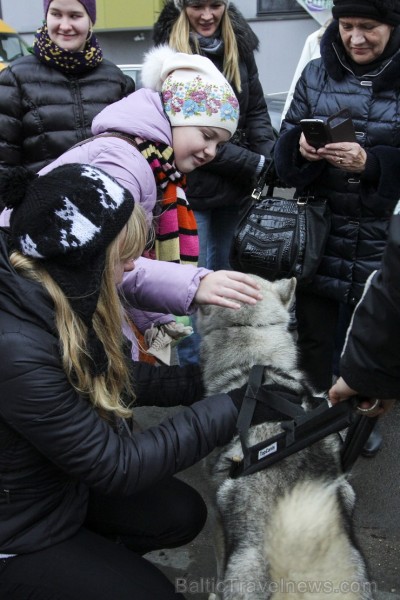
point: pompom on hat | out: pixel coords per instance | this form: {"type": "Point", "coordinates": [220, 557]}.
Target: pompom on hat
{"type": "Point", "coordinates": [89, 5]}
{"type": "Point", "coordinates": [181, 4]}
{"type": "Point", "coordinates": [66, 220]}
{"type": "Point", "coordinates": [384, 11]}
{"type": "Point", "coordinates": [194, 92]}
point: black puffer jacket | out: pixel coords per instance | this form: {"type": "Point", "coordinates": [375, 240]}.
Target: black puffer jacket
{"type": "Point", "coordinates": [370, 362]}
{"type": "Point", "coordinates": [361, 205]}
{"type": "Point", "coordinates": [53, 445]}
{"type": "Point", "coordinates": [231, 175]}
{"type": "Point", "coordinates": [43, 111]}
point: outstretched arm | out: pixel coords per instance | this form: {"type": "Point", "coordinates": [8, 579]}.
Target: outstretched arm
{"type": "Point", "coordinates": [161, 286]}
{"type": "Point", "coordinates": [370, 406]}
{"type": "Point", "coordinates": [228, 288]}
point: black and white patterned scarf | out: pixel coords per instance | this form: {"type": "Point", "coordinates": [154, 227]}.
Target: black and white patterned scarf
{"type": "Point", "coordinates": [64, 60]}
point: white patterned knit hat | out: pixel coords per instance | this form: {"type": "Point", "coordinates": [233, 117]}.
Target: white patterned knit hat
{"type": "Point", "coordinates": [194, 91]}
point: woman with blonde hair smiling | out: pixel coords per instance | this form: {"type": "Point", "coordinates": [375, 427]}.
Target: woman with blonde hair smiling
{"type": "Point", "coordinates": [216, 191]}
{"type": "Point", "coordinates": [217, 30]}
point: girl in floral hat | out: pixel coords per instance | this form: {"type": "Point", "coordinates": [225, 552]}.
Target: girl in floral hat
{"type": "Point", "coordinates": [177, 122]}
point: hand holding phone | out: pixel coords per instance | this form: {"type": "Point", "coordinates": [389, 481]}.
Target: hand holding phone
{"type": "Point", "coordinates": [315, 131]}
{"type": "Point", "coordinates": [338, 128]}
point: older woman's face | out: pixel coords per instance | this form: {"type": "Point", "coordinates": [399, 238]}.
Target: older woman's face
{"type": "Point", "coordinates": [364, 39]}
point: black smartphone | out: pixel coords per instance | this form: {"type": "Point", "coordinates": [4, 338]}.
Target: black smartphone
{"type": "Point", "coordinates": [337, 128]}
{"type": "Point", "coordinates": [315, 131]}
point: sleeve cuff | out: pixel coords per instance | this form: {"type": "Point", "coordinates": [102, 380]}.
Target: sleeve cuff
{"type": "Point", "coordinates": [372, 170]}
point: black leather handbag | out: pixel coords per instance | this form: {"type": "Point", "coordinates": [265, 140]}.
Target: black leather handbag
{"type": "Point", "coordinates": [278, 238]}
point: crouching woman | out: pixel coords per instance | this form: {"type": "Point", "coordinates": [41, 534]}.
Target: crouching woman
{"type": "Point", "coordinates": [75, 476]}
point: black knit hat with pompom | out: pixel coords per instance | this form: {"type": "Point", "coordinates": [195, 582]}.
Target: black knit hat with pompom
{"type": "Point", "coordinates": [384, 11]}
{"type": "Point", "coordinates": [66, 219]}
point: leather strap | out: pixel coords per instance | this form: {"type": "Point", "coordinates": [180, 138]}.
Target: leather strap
{"type": "Point", "coordinates": [303, 429]}
{"type": "Point", "coordinates": [122, 136]}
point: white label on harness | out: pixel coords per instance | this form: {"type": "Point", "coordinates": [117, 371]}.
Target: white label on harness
{"type": "Point", "coordinates": [268, 450]}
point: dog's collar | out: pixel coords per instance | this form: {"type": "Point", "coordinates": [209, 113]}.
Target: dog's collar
{"type": "Point", "coordinates": [301, 429]}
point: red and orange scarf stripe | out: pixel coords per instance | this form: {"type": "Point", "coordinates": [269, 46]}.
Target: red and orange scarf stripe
{"type": "Point", "coordinates": [176, 228]}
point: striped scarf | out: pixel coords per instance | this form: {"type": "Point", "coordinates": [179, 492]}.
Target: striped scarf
{"type": "Point", "coordinates": [176, 229]}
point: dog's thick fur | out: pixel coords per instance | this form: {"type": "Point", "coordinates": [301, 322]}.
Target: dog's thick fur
{"type": "Point", "coordinates": [284, 532]}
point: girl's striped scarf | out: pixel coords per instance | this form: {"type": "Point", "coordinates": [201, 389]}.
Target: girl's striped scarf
{"type": "Point", "coordinates": [176, 229]}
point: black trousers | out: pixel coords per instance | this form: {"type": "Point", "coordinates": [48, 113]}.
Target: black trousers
{"type": "Point", "coordinates": [92, 566]}
{"type": "Point", "coordinates": [320, 325]}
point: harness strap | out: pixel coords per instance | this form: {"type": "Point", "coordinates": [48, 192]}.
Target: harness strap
{"type": "Point", "coordinates": [356, 437]}
{"type": "Point", "coordinates": [272, 396]}
{"type": "Point", "coordinates": [248, 406]}
{"type": "Point", "coordinates": [304, 428]}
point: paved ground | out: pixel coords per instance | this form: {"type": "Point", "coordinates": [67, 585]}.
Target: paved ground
{"type": "Point", "coordinates": [377, 483]}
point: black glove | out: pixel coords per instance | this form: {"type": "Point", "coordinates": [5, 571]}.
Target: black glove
{"type": "Point", "coordinates": [262, 412]}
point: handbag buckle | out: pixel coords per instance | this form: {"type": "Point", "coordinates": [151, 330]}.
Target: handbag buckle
{"type": "Point", "coordinates": [256, 195]}
{"type": "Point", "coordinates": [304, 199]}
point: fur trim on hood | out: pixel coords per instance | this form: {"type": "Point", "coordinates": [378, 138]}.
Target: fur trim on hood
{"type": "Point", "coordinates": [247, 40]}
{"type": "Point", "coordinates": [333, 56]}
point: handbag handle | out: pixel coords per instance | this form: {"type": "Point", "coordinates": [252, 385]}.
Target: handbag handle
{"type": "Point", "coordinates": [261, 181]}
{"type": "Point", "coordinates": [304, 198]}
{"type": "Point", "coordinates": [256, 195]}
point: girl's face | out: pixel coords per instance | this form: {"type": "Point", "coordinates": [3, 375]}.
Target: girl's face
{"type": "Point", "coordinates": [364, 39]}
{"type": "Point", "coordinates": [123, 266]}
{"type": "Point", "coordinates": [196, 146]}
{"type": "Point", "coordinates": [68, 24]}
{"type": "Point", "coordinates": [205, 16]}
{"type": "Point", "coordinates": [129, 244]}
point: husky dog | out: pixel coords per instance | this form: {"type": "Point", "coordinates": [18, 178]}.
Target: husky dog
{"type": "Point", "coordinates": [284, 532]}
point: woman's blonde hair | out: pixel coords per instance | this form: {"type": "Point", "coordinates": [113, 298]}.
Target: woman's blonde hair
{"type": "Point", "coordinates": [179, 39]}
{"type": "Point", "coordinates": [110, 392]}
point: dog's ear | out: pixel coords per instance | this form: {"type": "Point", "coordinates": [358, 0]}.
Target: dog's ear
{"type": "Point", "coordinates": [286, 289]}
{"type": "Point", "coordinates": [204, 309]}
{"type": "Point", "coordinates": [202, 317]}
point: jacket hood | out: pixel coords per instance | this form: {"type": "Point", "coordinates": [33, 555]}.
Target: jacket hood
{"type": "Point", "coordinates": [20, 297]}
{"type": "Point", "coordinates": [333, 57]}
{"type": "Point", "coordinates": [247, 40]}
{"type": "Point", "coordinates": [140, 114]}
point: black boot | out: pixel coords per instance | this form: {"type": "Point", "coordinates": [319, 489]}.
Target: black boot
{"type": "Point", "coordinates": [373, 443]}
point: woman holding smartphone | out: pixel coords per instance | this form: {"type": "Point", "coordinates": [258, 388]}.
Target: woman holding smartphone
{"type": "Point", "coordinates": [359, 69]}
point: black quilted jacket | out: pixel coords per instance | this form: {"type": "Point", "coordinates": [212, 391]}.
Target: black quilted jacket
{"type": "Point", "coordinates": [371, 358]}
{"type": "Point", "coordinates": [231, 175]}
{"type": "Point", "coordinates": [361, 205]}
{"type": "Point", "coordinates": [43, 111]}
{"type": "Point", "coordinates": [54, 446]}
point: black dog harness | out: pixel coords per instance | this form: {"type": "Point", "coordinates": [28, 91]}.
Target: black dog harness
{"type": "Point", "coordinates": [300, 428]}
